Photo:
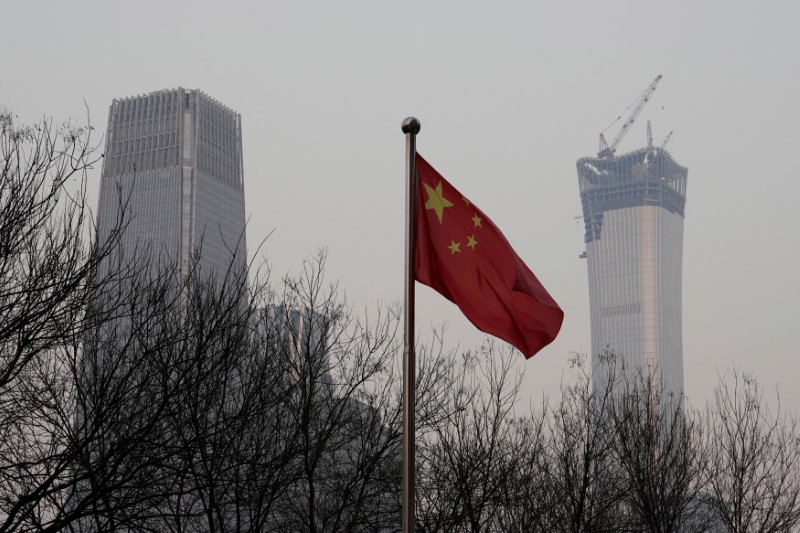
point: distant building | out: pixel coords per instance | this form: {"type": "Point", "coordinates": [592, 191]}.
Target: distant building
{"type": "Point", "coordinates": [172, 174]}
{"type": "Point", "coordinates": [174, 158]}
{"type": "Point", "coordinates": [633, 210]}
{"type": "Point", "coordinates": [300, 336]}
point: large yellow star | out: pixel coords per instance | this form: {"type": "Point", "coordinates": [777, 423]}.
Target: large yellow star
{"type": "Point", "coordinates": [454, 247]}
{"type": "Point", "coordinates": [471, 242]}
{"type": "Point", "coordinates": [436, 201]}
{"type": "Point", "coordinates": [476, 220]}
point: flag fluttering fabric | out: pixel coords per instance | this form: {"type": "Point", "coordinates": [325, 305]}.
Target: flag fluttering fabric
{"type": "Point", "coordinates": [461, 254]}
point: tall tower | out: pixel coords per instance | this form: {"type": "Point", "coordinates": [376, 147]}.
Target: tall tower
{"type": "Point", "coordinates": [633, 210]}
{"type": "Point", "coordinates": [174, 159]}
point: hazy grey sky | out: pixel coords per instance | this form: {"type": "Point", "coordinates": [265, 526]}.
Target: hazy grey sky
{"type": "Point", "coordinates": [509, 95]}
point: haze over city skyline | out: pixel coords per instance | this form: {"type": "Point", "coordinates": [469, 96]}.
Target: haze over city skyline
{"type": "Point", "coordinates": [508, 97]}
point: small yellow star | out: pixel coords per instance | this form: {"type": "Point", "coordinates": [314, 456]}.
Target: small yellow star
{"type": "Point", "coordinates": [436, 201]}
{"type": "Point", "coordinates": [471, 242]}
{"type": "Point", "coordinates": [476, 221]}
{"type": "Point", "coordinates": [466, 201]}
{"type": "Point", "coordinates": [454, 247]}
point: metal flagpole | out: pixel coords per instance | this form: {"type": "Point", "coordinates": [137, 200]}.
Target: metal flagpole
{"type": "Point", "coordinates": [411, 127]}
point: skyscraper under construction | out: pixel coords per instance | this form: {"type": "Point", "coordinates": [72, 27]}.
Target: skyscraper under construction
{"type": "Point", "coordinates": [633, 210]}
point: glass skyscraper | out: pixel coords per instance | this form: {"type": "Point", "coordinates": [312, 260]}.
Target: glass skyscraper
{"type": "Point", "coordinates": [633, 210]}
{"type": "Point", "coordinates": [172, 174]}
{"type": "Point", "coordinates": [173, 158]}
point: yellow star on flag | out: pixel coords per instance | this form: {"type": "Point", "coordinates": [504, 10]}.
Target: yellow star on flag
{"type": "Point", "coordinates": [476, 221]}
{"type": "Point", "coordinates": [454, 247]}
{"type": "Point", "coordinates": [436, 201]}
{"type": "Point", "coordinates": [471, 242]}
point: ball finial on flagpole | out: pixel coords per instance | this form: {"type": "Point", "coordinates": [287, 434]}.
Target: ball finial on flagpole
{"type": "Point", "coordinates": [411, 125]}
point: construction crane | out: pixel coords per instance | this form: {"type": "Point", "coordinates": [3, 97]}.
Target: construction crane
{"type": "Point", "coordinates": [607, 150]}
{"type": "Point", "coordinates": [665, 141]}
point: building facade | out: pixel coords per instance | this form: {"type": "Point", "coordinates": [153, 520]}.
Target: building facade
{"type": "Point", "coordinates": [172, 184]}
{"type": "Point", "coordinates": [633, 211]}
{"type": "Point", "coordinates": [301, 337]}
{"type": "Point", "coordinates": [173, 163]}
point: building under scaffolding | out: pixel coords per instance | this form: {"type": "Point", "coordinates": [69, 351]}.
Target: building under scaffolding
{"type": "Point", "coordinates": [633, 210]}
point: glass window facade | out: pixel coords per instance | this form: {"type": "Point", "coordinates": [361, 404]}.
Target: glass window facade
{"type": "Point", "coordinates": [174, 160]}
{"type": "Point", "coordinates": [633, 210]}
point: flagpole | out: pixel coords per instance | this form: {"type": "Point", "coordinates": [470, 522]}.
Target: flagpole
{"type": "Point", "coordinates": [410, 127]}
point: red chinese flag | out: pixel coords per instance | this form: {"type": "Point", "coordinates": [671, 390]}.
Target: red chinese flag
{"type": "Point", "coordinates": [461, 254]}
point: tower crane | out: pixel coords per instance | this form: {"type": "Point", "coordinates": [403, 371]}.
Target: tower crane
{"type": "Point", "coordinates": [665, 141]}
{"type": "Point", "coordinates": [607, 150]}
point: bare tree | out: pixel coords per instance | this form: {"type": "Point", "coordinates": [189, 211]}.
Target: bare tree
{"type": "Point", "coordinates": [582, 489]}
{"type": "Point", "coordinates": [526, 506]}
{"type": "Point", "coordinates": [208, 410]}
{"type": "Point", "coordinates": [48, 281]}
{"type": "Point", "coordinates": [347, 418]}
{"type": "Point", "coordinates": [753, 469]}
{"type": "Point", "coordinates": [658, 448]}
{"type": "Point", "coordinates": [45, 267]}
{"type": "Point", "coordinates": [468, 459]}
{"type": "Point", "coordinates": [123, 379]}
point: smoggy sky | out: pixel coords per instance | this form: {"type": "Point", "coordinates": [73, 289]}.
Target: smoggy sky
{"type": "Point", "coordinates": [509, 95]}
